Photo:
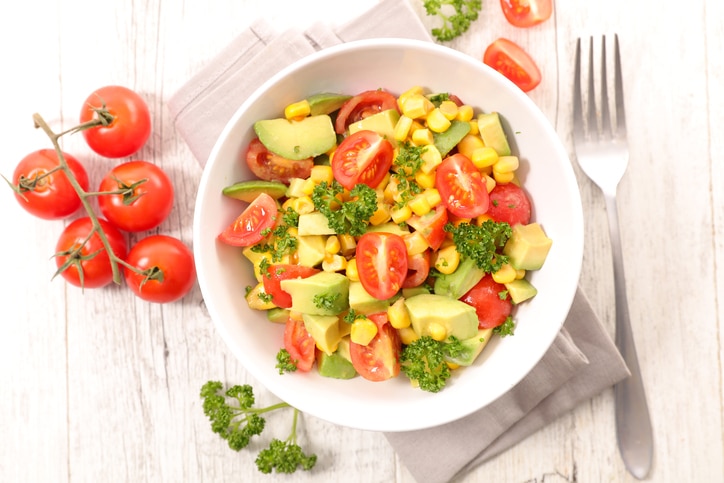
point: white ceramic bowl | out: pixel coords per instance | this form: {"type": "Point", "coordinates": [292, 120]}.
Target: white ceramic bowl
{"type": "Point", "coordinates": [395, 65]}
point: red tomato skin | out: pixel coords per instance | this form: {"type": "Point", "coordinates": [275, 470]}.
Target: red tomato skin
{"type": "Point", "coordinates": [526, 13]}
{"type": "Point", "coordinates": [485, 298]}
{"type": "Point", "coordinates": [513, 62]}
{"type": "Point", "coordinates": [97, 271]}
{"type": "Point", "coordinates": [380, 359]}
{"type": "Point", "coordinates": [154, 196]}
{"type": "Point", "coordinates": [272, 167]}
{"type": "Point", "coordinates": [299, 343]}
{"type": "Point", "coordinates": [55, 198]}
{"type": "Point", "coordinates": [250, 227]}
{"type": "Point", "coordinates": [130, 128]}
{"type": "Point", "coordinates": [172, 257]}
{"type": "Point", "coordinates": [363, 157]}
{"type": "Point", "coordinates": [461, 187]}
{"type": "Point", "coordinates": [381, 263]}
{"type": "Point", "coordinates": [418, 269]}
{"type": "Point", "coordinates": [509, 203]}
{"type": "Point", "coordinates": [363, 105]}
{"type": "Point", "coordinates": [281, 271]}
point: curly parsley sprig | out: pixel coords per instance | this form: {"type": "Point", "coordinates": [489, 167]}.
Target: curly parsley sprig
{"type": "Point", "coordinates": [483, 243]}
{"type": "Point", "coordinates": [456, 16]}
{"type": "Point", "coordinates": [345, 217]}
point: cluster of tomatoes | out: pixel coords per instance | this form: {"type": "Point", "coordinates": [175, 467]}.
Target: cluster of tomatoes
{"type": "Point", "coordinates": [134, 196]}
{"type": "Point", "coordinates": [509, 58]}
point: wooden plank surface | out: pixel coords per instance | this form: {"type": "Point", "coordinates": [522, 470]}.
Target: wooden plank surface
{"type": "Point", "coordinates": [98, 386]}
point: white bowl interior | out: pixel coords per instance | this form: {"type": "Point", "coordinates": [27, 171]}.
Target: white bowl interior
{"type": "Point", "coordinates": [395, 65]}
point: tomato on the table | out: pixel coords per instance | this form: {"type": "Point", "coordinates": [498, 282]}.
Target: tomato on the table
{"type": "Point", "coordinates": [283, 271]}
{"type": "Point", "coordinates": [380, 359]}
{"type": "Point", "coordinates": [491, 303]}
{"type": "Point", "coordinates": [146, 200]}
{"type": "Point", "coordinates": [272, 167]}
{"type": "Point", "coordinates": [363, 157]}
{"type": "Point", "coordinates": [418, 269]}
{"type": "Point", "coordinates": [79, 270]}
{"type": "Point", "coordinates": [509, 203]}
{"type": "Point", "coordinates": [253, 224]}
{"type": "Point", "coordinates": [381, 263]}
{"type": "Point", "coordinates": [363, 105]}
{"type": "Point", "coordinates": [431, 226]}
{"type": "Point", "coordinates": [130, 127]}
{"type": "Point", "coordinates": [299, 343]}
{"type": "Point", "coordinates": [526, 13]}
{"type": "Point", "coordinates": [513, 62]}
{"type": "Point", "coordinates": [462, 187]}
{"type": "Point", "coordinates": [51, 197]}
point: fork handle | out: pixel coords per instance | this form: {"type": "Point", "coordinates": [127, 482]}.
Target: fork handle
{"type": "Point", "coordinates": [633, 423]}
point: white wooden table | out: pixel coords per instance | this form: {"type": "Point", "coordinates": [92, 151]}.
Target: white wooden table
{"type": "Point", "coordinates": [99, 386]}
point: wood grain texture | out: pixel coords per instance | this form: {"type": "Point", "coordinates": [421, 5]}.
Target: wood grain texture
{"type": "Point", "coordinates": [98, 386]}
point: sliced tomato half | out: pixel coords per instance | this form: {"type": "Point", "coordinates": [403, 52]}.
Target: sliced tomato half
{"type": "Point", "coordinates": [363, 105]}
{"type": "Point", "coordinates": [252, 225]}
{"type": "Point", "coordinates": [513, 62]}
{"type": "Point", "coordinates": [381, 263]}
{"type": "Point", "coordinates": [491, 303]}
{"type": "Point", "coordinates": [283, 271]}
{"type": "Point", "coordinates": [526, 13]}
{"type": "Point", "coordinates": [462, 187]}
{"type": "Point", "coordinates": [509, 203]}
{"type": "Point", "coordinates": [418, 269]}
{"type": "Point", "coordinates": [299, 343]}
{"type": "Point", "coordinates": [380, 359]}
{"type": "Point", "coordinates": [363, 157]}
{"type": "Point", "coordinates": [272, 167]}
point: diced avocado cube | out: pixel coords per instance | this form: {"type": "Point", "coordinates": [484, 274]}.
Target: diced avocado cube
{"type": "Point", "coordinates": [324, 293]}
{"type": "Point", "coordinates": [527, 247]}
{"type": "Point", "coordinates": [324, 329]}
{"type": "Point", "coordinates": [520, 290]}
{"type": "Point", "coordinates": [326, 102]}
{"type": "Point", "coordinates": [448, 139]}
{"type": "Point", "coordinates": [277, 315]}
{"type": "Point", "coordinates": [335, 366]}
{"type": "Point", "coordinates": [457, 284]}
{"type": "Point", "coordinates": [256, 258]}
{"type": "Point", "coordinates": [362, 302]}
{"type": "Point", "coordinates": [412, 291]}
{"type": "Point", "coordinates": [492, 133]}
{"type": "Point", "coordinates": [383, 123]}
{"type": "Point", "coordinates": [297, 140]}
{"type": "Point", "coordinates": [310, 250]}
{"type": "Point", "coordinates": [472, 348]}
{"type": "Point", "coordinates": [249, 190]}
{"type": "Point", "coordinates": [314, 223]}
{"type": "Point", "coordinates": [389, 227]}
{"type": "Point", "coordinates": [458, 318]}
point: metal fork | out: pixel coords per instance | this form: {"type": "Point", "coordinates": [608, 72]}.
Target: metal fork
{"type": "Point", "coordinates": [603, 155]}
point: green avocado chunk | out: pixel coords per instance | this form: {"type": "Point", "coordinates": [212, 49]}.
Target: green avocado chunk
{"type": "Point", "coordinates": [326, 102]}
{"type": "Point", "coordinates": [520, 290]}
{"type": "Point", "coordinates": [334, 365]}
{"type": "Point", "coordinates": [363, 303]}
{"type": "Point", "coordinates": [493, 134]}
{"type": "Point", "coordinates": [249, 190]}
{"type": "Point", "coordinates": [383, 123]}
{"type": "Point", "coordinates": [297, 140]}
{"type": "Point", "coordinates": [446, 140]}
{"type": "Point", "coordinates": [457, 284]}
{"type": "Point", "coordinates": [527, 247]}
{"type": "Point", "coordinates": [324, 293]}
{"type": "Point", "coordinates": [458, 318]}
{"type": "Point", "coordinates": [472, 348]}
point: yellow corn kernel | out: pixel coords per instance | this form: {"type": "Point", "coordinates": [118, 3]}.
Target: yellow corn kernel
{"type": "Point", "coordinates": [506, 274]}
{"type": "Point", "coordinates": [352, 273]}
{"type": "Point", "coordinates": [447, 259]}
{"type": "Point", "coordinates": [402, 214]}
{"type": "Point", "coordinates": [425, 180]}
{"type": "Point", "coordinates": [519, 274]}
{"type": "Point", "coordinates": [482, 219]}
{"type": "Point", "coordinates": [431, 158]}
{"type": "Point", "coordinates": [449, 109]}
{"type": "Point", "coordinates": [398, 315]}
{"type": "Point", "coordinates": [322, 173]}
{"type": "Point", "coordinates": [363, 330]}
{"type": "Point", "coordinates": [484, 157]}
{"type": "Point", "coordinates": [288, 204]}
{"type": "Point", "coordinates": [416, 106]}
{"type": "Point", "coordinates": [407, 335]}
{"type": "Point", "coordinates": [347, 244]}
{"type": "Point", "coordinates": [415, 126]}
{"type": "Point", "coordinates": [297, 110]}
{"type": "Point", "coordinates": [465, 113]}
{"type": "Point", "coordinates": [422, 137]}
{"type": "Point", "coordinates": [432, 195]}
{"type": "Point", "coordinates": [419, 205]}
{"type": "Point", "coordinates": [385, 181]}
{"type": "Point", "coordinates": [302, 205]}
{"type": "Point", "coordinates": [382, 215]}
{"type": "Point", "coordinates": [415, 90]}
{"type": "Point", "coordinates": [415, 243]}
{"type": "Point", "coordinates": [332, 245]}
{"type": "Point", "coordinates": [506, 164]}
{"type": "Point", "coordinates": [308, 186]}
{"type": "Point", "coordinates": [293, 231]}
{"type": "Point", "coordinates": [468, 144]}
{"type": "Point", "coordinates": [437, 331]}
{"type": "Point", "coordinates": [296, 188]}
{"type": "Point", "coordinates": [474, 128]}
{"type": "Point", "coordinates": [489, 183]}
{"type": "Point", "coordinates": [437, 121]}
{"type": "Point", "coordinates": [402, 128]}
{"type": "Point", "coordinates": [452, 366]}
{"type": "Point", "coordinates": [503, 178]}
{"type": "Point", "coordinates": [334, 263]}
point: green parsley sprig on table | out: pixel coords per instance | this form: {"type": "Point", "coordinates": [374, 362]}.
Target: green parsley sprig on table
{"type": "Point", "coordinates": [456, 15]}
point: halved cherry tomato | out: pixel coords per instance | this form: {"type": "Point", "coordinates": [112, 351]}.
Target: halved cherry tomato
{"type": "Point", "coordinates": [462, 187]}
{"type": "Point", "coordinates": [253, 224]}
{"type": "Point", "coordinates": [513, 62]}
{"type": "Point", "coordinates": [363, 157]}
{"type": "Point", "coordinates": [509, 203]}
{"type": "Point", "coordinates": [283, 271]}
{"type": "Point", "coordinates": [526, 13]}
{"type": "Point", "coordinates": [431, 226]}
{"type": "Point", "coordinates": [485, 297]}
{"type": "Point", "coordinates": [380, 359]}
{"type": "Point", "coordinates": [418, 269]}
{"type": "Point", "coordinates": [381, 263]}
{"type": "Point", "coordinates": [272, 167]}
{"type": "Point", "coordinates": [363, 105]}
{"type": "Point", "coordinates": [299, 343]}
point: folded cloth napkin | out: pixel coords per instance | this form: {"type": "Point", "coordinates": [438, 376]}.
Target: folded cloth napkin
{"type": "Point", "coordinates": [581, 362]}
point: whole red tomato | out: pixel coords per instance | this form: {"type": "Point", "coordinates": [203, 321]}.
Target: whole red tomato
{"type": "Point", "coordinates": [127, 132]}
{"type": "Point", "coordinates": [44, 190]}
{"type": "Point", "coordinates": [83, 261]}
{"type": "Point", "coordinates": [166, 269]}
{"type": "Point", "coordinates": [146, 198]}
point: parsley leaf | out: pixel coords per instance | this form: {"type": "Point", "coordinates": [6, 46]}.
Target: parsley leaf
{"type": "Point", "coordinates": [456, 16]}
{"type": "Point", "coordinates": [482, 243]}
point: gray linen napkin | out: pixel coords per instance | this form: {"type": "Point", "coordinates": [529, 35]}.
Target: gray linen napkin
{"type": "Point", "coordinates": [581, 362]}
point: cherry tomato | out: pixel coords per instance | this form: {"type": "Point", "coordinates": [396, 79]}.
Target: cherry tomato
{"type": "Point", "coordinates": [380, 359]}
{"type": "Point", "coordinates": [299, 343]}
{"type": "Point", "coordinates": [96, 271]}
{"type": "Point", "coordinates": [381, 263]}
{"type": "Point", "coordinates": [363, 105]}
{"type": "Point", "coordinates": [278, 272]}
{"type": "Point", "coordinates": [526, 13]}
{"type": "Point", "coordinates": [168, 265]}
{"type": "Point", "coordinates": [418, 268]}
{"type": "Point", "coordinates": [144, 204]}
{"type": "Point", "coordinates": [509, 203]}
{"type": "Point", "coordinates": [431, 226]}
{"type": "Point", "coordinates": [128, 131]}
{"type": "Point", "coordinates": [363, 157]}
{"type": "Point", "coordinates": [513, 62]}
{"type": "Point", "coordinates": [272, 167]}
{"type": "Point", "coordinates": [490, 308]}
{"type": "Point", "coordinates": [252, 225]}
{"type": "Point", "coordinates": [462, 187]}
{"type": "Point", "coordinates": [52, 197]}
